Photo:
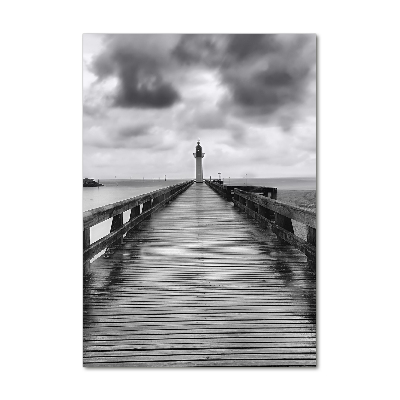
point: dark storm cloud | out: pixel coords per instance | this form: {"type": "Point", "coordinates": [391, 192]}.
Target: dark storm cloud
{"type": "Point", "coordinates": [242, 46]}
{"type": "Point", "coordinates": [267, 75]}
{"type": "Point", "coordinates": [272, 80]}
{"type": "Point", "coordinates": [139, 72]}
{"type": "Point", "coordinates": [194, 49]}
{"type": "Point", "coordinates": [269, 89]}
{"type": "Point", "coordinates": [155, 94]}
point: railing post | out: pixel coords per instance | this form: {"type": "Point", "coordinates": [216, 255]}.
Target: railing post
{"type": "Point", "coordinates": [249, 206]}
{"type": "Point", "coordinates": [146, 206]}
{"type": "Point", "coordinates": [236, 198]}
{"type": "Point", "coordinates": [135, 212]}
{"type": "Point", "coordinates": [285, 223]}
{"type": "Point", "coordinates": [228, 194]}
{"type": "Point", "coordinates": [264, 213]}
{"type": "Point", "coordinates": [274, 194]}
{"type": "Point", "coordinates": [269, 213]}
{"type": "Point", "coordinates": [117, 222]}
{"type": "Point", "coordinates": [155, 201]}
{"type": "Point", "coordinates": [312, 236]}
{"type": "Point", "coordinates": [312, 239]}
{"type": "Point", "coordinates": [86, 245]}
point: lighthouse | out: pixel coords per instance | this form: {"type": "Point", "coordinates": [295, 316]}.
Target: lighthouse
{"type": "Point", "coordinates": [199, 162]}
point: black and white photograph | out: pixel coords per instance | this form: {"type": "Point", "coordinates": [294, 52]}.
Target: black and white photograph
{"type": "Point", "coordinates": [168, 169]}
{"type": "Point", "coordinates": [199, 200]}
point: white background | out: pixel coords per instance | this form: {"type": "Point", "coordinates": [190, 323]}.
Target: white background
{"type": "Point", "coordinates": [358, 146]}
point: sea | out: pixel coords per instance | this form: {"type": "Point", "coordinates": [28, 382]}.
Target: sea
{"type": "Point", "coordinates": [120, 189]}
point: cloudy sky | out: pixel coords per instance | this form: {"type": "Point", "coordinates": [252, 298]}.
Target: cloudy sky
{"type": "Point", "coordinates": [251, 99]}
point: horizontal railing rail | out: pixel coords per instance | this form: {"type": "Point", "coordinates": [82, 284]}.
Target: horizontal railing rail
{"type": "Point", "coordinates": [141, 207]}
{"type": "Point", "coordinates": [273, 214]}
{"type": "Point", "coordinates": [226, 191]}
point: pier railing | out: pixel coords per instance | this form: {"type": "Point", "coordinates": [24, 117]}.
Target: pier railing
{"type": "Point", "coordinates": [260, 203]}
{"type": "Point", "coordinates": [227, 191]}
{"type": "Point", "coordinates": [141, 207]}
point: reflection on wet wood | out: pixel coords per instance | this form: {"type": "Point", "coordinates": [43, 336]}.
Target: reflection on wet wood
{"type": "Point", "coordinates": [200, 284]}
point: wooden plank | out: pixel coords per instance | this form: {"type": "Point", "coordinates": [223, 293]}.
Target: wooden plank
{"type": "Point", "coordinates": [199, 345]}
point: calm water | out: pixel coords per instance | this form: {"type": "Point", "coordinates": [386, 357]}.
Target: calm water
{"type": "Point", "coordinates": [280, 183]}
{"type": "Point", "coordinates": [120, 189]}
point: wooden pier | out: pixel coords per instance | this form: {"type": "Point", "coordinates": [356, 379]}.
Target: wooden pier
{"type": "Point", "coordinates": [198, 282]}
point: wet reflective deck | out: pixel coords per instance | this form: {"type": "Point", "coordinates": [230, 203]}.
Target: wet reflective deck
{"type": "Point", "coordinates": [200, 284]}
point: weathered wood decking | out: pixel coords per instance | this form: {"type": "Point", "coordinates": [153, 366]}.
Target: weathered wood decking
{"type": "Point", "coordinates": [200, 284]}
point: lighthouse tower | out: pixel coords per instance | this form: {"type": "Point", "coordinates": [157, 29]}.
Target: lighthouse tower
{"type": "Point", "coordinates": [199, 162]}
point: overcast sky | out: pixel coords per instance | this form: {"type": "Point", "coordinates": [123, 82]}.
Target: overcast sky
{"type": "Point", "coordinates": [251, 99]}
